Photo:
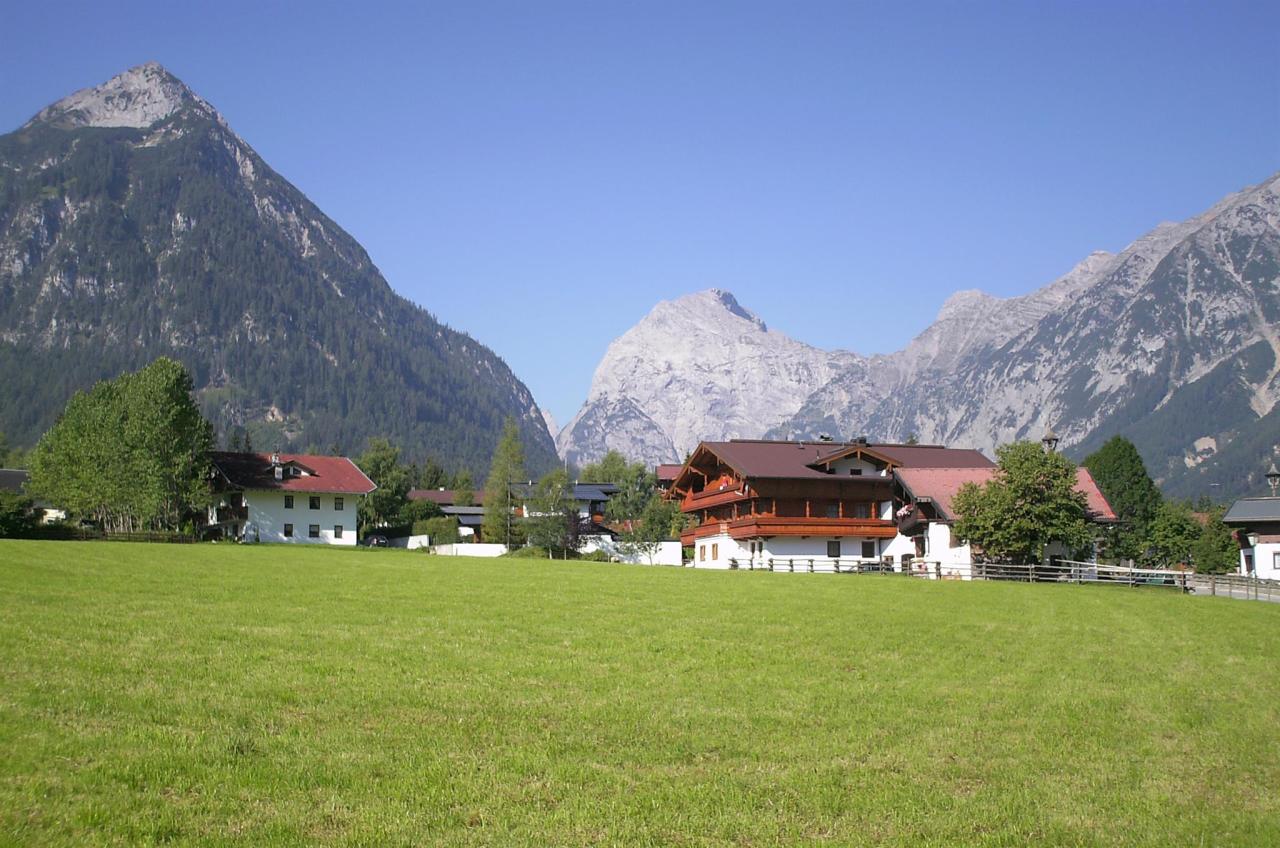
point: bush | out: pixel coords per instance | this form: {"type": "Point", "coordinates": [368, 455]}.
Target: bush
{"type": "Point", "coordinates": [596, 556]}
{"type": "Point", "coordinates": [527, 552]}
{"type": "Point", "coordinates": [443, 529]}
{"type": "Point", "coordinates": [17, 517]}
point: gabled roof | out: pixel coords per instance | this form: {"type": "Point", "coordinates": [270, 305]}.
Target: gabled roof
{"type": "Point", "coordinates": [13, 480]}
{"type": "Point", "coordinates": [335, 474]}
{"type": "Point", "coordinates": [667, 472]}
{"type": "Point", "coordinates": [1253, 510]}
{"type": "Point", "coordinates": [940, 485]}
{"type": "Point", "coordinates": [797, 460]}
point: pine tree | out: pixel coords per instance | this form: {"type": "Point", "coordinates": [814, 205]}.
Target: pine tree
{"type": "Point", "coordinates": [500, 496]}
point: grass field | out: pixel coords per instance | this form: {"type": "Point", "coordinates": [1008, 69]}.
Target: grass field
{"type": "Point", "coordinates": [262, 695]}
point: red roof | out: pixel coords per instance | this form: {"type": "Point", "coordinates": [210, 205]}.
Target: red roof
{"type": "Point", "coordinates": [335, 474]}
{"type": "Point", "coordinates": [667, 473]}
{"type": "Point", "coordinates": [942, 484]}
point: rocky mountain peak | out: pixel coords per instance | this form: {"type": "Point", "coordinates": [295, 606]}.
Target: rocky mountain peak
{"type": "Point", "coordinates": [140, 97]}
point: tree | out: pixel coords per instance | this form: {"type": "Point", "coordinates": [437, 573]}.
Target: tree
{"type": "Point", "coordinates": [441, 530]}
{"type": "Point", "coordinates": [660, 518]}
{"type": "Point", "coordinates": [464, 491]}
{"type": "Point", "coordinates": [500, 498]}
{"type": "Point", "coordinates": [414, 511]}
{"type": "Point", "coordinates": [1173, 534]}
{"type": "Point", "coordinates": [1118, 470]}
{"type": "Point", "coordinates": [1215, 551]}
{"type": "Point", "coordinates": [4, 451]}
{"type": "Point", "coordinates": [1030, 502]}
{"type": "Point", "coordinates": [553, 519]}
{"type": "Point", "coordinates": [430, 475]}
{"type": "Point", "coordinates": [17, 515]}
{"type": "Point", "coordinates": [381, 464]}
{"type": "Point", "coordinates": [610, 468]}
{"type": "Point", "coordinates": [130, 453]}
{"type": "Point", "coordinates": [637, 487]}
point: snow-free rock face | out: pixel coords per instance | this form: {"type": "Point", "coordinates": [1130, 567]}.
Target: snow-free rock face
{"type": "Point", "coordinates": [139, 98]}
{"type": "Point", "coordinates": [134, 223]}
{"type": "Point", "coordinates": [1174, 342]}
{"type": "Point", "coordinates": [699, 367]}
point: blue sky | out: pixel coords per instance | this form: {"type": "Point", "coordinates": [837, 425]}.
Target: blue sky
{"type": "Point", "coordinates": [540, 174]}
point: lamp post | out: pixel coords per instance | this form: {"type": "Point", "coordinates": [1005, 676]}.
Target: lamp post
{"type": "Point", "coordinates": [1049, 440]}
{"type": "Point", "coordinates": [1273, 478]}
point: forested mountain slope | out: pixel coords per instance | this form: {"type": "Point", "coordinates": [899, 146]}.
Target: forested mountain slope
{"type": "Point", "coordinates": [135, 223]}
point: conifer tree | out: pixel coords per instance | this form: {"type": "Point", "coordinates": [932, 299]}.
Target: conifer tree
{"type": "Point", "coordinates": [1122, 476]}
{"type": "Point", "coordinates": [506, 472]}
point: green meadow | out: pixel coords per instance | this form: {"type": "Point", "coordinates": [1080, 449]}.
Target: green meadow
{"type": "Point", "coordinates": [283, 696]}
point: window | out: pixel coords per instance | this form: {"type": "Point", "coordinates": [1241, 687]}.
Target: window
{"type": "Point", "coordinates": [869, 550]}
{"type": "Point", "coordinates": [314, 531]}
{"type": "Point", "coordinates": [862, 510]}
{"type": "Point", "coordinates": [715, 551]}
{"type": "Point", "coordinates": [288, 501]}
{"type": "Point", "coordinates": [337, 504]}
{"type": "Point", "coordinates": [288, 531]}
{"type": "Point", "coordinates": [315, 501]}
{"type": "Point", "coordinates": [337, 531]}
{"type": "Point", "coordinates": [855, 472]}
{"type": "Point", "coordinates": [833, 549]}
{"type": "Point", "coordinates": [702, 553]}
{"type": "Point", "coordinates": [833, 510]}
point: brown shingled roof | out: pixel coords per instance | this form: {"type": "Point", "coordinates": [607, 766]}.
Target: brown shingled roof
{"type": "Point", "coordinates": [776, 459]}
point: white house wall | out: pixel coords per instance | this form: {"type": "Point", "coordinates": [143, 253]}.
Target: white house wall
{"type": "Point", "coordinates": [1265, 562]}
{"type": "Point", "coordinates": [268, 515]}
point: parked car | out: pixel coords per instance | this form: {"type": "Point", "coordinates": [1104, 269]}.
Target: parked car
{"type": "Point", "coordinates": [375, 540]}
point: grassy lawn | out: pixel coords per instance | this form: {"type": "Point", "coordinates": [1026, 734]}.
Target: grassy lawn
{"type": "Point", "coordinates": [267, 695]}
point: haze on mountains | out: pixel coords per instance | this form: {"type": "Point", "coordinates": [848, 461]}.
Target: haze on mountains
{"type": "Point", "coordinates": [1174, 342]}
{"type": "Point", "coordinates": [134, 223]}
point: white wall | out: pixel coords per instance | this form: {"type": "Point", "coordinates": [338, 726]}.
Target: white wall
{"type": "Point", "coordinates": [1264, 560]}
{"type": "Point", "coordinates": [667, 553]}
{"type": "Point", "coordinates": [844, 466]}
{"type": "Point", "coordinates": [267, 515]}
{"type": "Point", "coordinates": [780, 549]}
{"type": "Point", "coordinates": [410, 542]}
{"type": "Point", "coordinates": [471, 549]}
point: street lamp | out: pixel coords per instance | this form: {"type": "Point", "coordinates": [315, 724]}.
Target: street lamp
{"type": "Point", "coordinates": [1273, 478]}
{"type": "Point", "coordinates": [1049, 440]}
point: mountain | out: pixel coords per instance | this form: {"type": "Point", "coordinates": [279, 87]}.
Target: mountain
{"type": "Point", "coordinates": [134, 222]}
{"type": "Point", "coordinates": [700, 367]}
{"type": "Point", "coordinates": [1173, 342]}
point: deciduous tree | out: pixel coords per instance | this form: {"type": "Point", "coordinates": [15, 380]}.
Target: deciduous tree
{"type": "Point", "coordinates": [130, 453]}
{"type": "Point", "coordinates": [381, 464]}
{"type": "Point", "coordinates": [1030, 502]}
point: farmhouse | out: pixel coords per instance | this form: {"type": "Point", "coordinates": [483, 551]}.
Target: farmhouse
{"type": "Point", "coordinates": [286, 498]}
{"type": "Point", "coordinates": [925, 517]}
{"type": "Point", "coordinates": [752, 501]}
{"type": "Point", "coordinates": [830, 505]}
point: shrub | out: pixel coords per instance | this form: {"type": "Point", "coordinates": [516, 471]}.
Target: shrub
{"type": "Point", "coordinates": [443, 529]}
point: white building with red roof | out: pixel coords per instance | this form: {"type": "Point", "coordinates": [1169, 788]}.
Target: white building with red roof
{"type": "Point", "coordinates": [291, 498]}
{"type": "Point", "coordinates": [926, 516]}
